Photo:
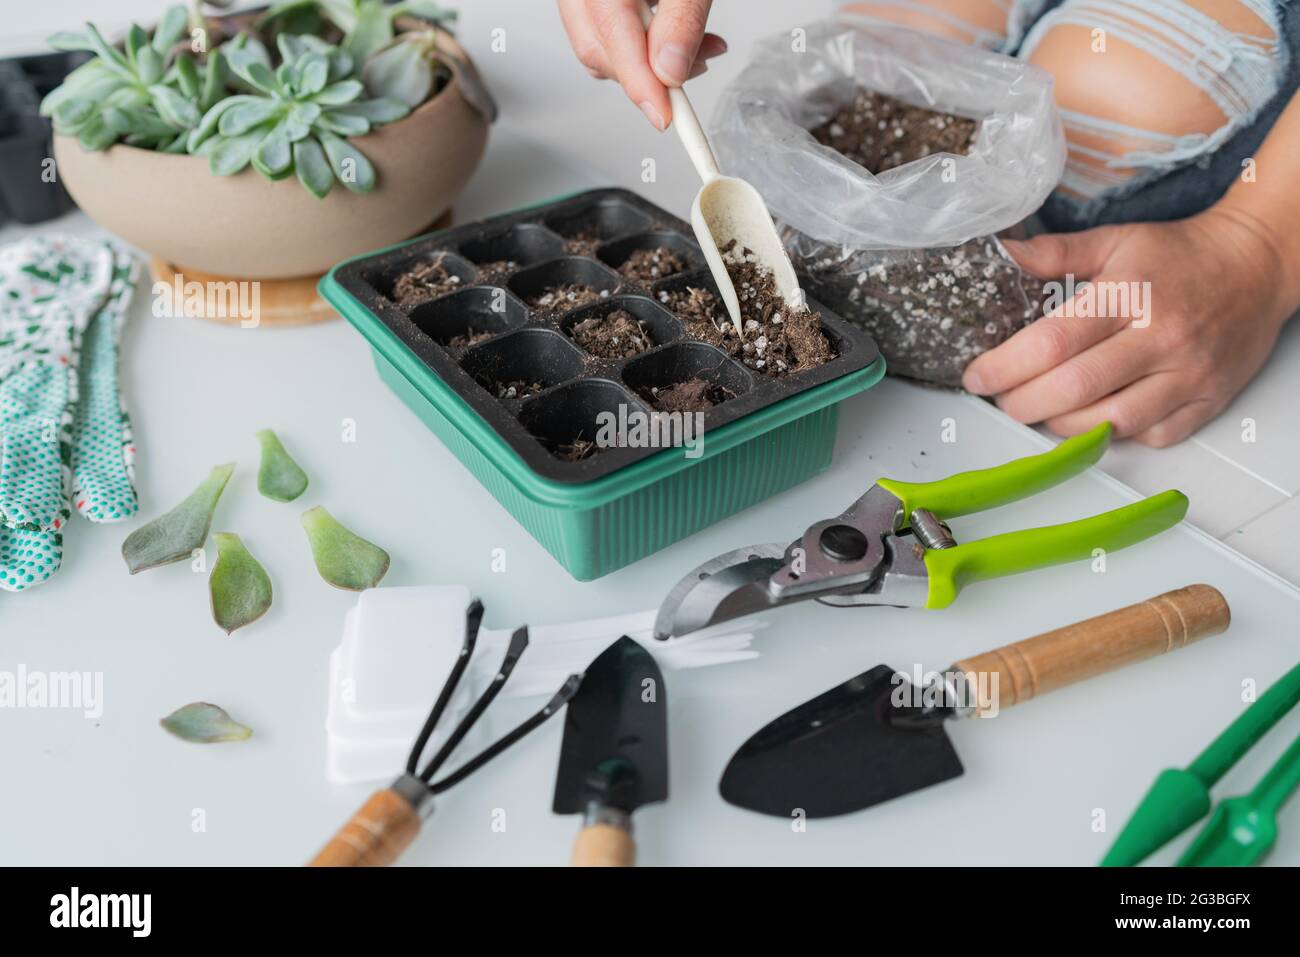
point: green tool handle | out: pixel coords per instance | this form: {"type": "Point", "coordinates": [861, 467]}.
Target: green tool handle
{"type": "Point", "coordinates": [982, 489]}
{"type": "Point", "coordinates": [1251, 725]}
{"type": "Point", "coordinates": [1277, 784]}
{"type": "Point", "coordinates": [1013, 552]}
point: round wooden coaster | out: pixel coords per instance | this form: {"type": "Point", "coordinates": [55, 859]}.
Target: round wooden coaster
{"type": "Point", "coordinates": [248, 303]}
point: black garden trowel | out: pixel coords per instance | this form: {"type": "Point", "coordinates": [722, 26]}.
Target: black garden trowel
{"type": "Point", "coordinates": [877, 736]}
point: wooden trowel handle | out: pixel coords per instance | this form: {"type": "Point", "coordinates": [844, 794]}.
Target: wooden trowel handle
{"type": "Point", "coordinates": [604, 845]}
{"type": "Point", "coordinates": [375, 836]}
{"type": "Point", "coordinates": [1062, 657]}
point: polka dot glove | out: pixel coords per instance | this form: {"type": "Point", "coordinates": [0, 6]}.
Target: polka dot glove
{"type": "Point", "coordinates": [64, 435]}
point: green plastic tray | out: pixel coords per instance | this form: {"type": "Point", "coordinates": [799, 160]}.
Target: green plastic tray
{"type": "Point", "coordinates": [593, 528]}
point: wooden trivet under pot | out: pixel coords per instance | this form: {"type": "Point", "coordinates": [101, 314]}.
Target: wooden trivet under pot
{"type": "Point", "coordinates": [281, 302]}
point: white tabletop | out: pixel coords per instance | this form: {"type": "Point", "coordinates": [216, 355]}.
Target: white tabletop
{"type": "Point", "coordinates": [117, 790]}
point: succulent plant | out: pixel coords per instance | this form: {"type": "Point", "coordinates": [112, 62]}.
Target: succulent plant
{"type": "Point", "coordinates": [131, 94]}
{"type": "Point", "coordinates": [284, 113]}
{"type": "Point", "coordinates": [294, 119]}
{"type": "Point", "coordinates": [406, 69]}
{"type": "Point", "coordinates": [367, 24]}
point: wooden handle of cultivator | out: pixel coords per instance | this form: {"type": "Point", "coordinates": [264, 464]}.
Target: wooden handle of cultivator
{"type": "Point", "coordinates": [604, 845]}
{"type": "Point", "coordinates": [1058, 658]}
{"type": "Point", "coordinates": [376, 835]}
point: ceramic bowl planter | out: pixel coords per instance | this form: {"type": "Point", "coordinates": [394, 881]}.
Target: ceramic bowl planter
{"type": "Point", "coordinates": [246, 226]}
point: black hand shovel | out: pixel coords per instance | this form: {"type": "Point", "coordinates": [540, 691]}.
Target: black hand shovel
{"type": "Point", "coordinates": [877, 736]}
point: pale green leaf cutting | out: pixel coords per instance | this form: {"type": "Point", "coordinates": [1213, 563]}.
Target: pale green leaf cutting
{"type": "Point", "coordinates": [239, 586]}
{"type": "Point", "coordinates": [279, 477]}
{"type": "Point", "coordinates": [204, 723]}
{"type": "Point", "coordinates": [343, 559]}
{"type": "Point", "coordinates": [174, 536]}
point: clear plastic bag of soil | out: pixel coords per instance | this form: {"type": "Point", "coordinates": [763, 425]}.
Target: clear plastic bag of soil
{"type": "Point", "coordinates": [907, 251]}
{"type": "Point", "coordinates": [930, 311]}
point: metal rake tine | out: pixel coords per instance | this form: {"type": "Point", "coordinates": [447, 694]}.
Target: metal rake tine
{"type": "Point", "coordinates": [558, 701]}
{"type": "Point", "coordinates": [518, 642]}
{"type": "Point", "coordinates": [473, 620]}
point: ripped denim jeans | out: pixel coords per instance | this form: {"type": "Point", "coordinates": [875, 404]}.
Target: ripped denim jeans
{"type": "Point", "coordinates": [1163, 102]}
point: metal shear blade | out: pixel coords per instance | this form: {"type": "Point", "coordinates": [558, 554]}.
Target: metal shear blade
{"type": "Point", "coordinates": [729, 586]}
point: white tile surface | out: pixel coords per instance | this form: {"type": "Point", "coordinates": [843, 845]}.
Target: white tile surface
{"type": "Point", "coordinates": [1223, 495]}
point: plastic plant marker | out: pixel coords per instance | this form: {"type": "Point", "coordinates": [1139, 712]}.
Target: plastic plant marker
{"type": "Point", "coordinates": [1244, 829]}
{"type": "Point", "coordinates": [204, 723]}
{"type": "Point", "coordinates": [239, 586]}
{"type": "Point", "coordinates": [343, 559]}
{"type": "Point", "coordinates": [279, 477]}
{"type": "Point", "coordinates": [175, 535]}
{"type": "Point", "coordinates": [1181, 797]}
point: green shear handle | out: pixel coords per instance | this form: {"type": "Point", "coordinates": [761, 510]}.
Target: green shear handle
{"type": "Point", "coordinates": [1014, 552]}
{"type": "Point", "coordinates": [966, 492]}
{"type": "Point", "coordinates": [982, 489]}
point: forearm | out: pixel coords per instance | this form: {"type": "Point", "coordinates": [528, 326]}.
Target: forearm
{"type": "Point", "coordinates": [1267, 199]}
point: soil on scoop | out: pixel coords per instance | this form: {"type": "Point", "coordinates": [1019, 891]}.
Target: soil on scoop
{"type": "Point", "coordinates": [423, 282]}
{"type": "Point", "coordinates": [615, 335]}
{"type": "Point", "coordinates": [470, 337]}
{"type": "Point", "coordinates": [648, 265]}
{"type": "Point", "coordinates": [778, 340]}
{"type": "Point", "coordinates": [496, 268]}
{"type": "Point", "coordinates": [930, 311]}
{"type": "Point", "coordinates": [566, 296]}
{"type": "Point", "coordinates": [692, 395]}
{"type": "Point", "coordinates": [880, 132]}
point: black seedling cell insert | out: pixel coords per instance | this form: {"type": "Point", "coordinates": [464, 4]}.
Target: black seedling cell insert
{"type": "Point", "coordinates": [534, 357]}
{"type": "Point", "coordinates": [385, 277]}
{"type": "Point", "coordinates": [601, 219]}
{"type": "Point", "coordinates": [570, 416]}
{"type": "Point", "coordinates": [661, 324]}
{"type": "Point", "coordinates": [615, 253]}
{"type": "Point", "coordinates": [683, 362]}
{"type": "Point", "coordinates": [526, 244]}
{"type": "Point", "coordinates": [469, 314]}
{"type": "Point", "coordinates": [532, 345]}
{"type": "Point", "coordinates": [569, 271]}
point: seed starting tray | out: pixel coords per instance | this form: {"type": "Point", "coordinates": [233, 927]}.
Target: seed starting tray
{"type": "Point", "coordinates": [510, 443]}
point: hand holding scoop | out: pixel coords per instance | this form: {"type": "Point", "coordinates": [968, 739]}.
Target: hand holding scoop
{"type": "Point", "coordinates": [726, 209]}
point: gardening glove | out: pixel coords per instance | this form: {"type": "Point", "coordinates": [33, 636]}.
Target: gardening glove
{"type": "Point", "coordinates": [63, 430]}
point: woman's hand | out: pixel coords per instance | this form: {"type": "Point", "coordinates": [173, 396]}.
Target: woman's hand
{"type": "Point", "coordinates": [1180, 317]}
{"type": "Point", "coordinates": [608, 38]}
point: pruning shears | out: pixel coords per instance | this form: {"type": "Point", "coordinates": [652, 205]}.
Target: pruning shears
{"type": "Point", "coordinates": [893, 546]}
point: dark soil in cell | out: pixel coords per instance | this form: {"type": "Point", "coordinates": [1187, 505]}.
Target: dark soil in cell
{"type": "Point", "coordinates": [519, 389]}
{"type": "Point", "coordinates": [566, 296]}
{"type": "Point", "coordinates": [616, 335]}
{"type": "Point", "coordinates": [497, 268]}
{"type": "Point", "coordinates": [693, 395]}
{"type": "Point", "coordinates": [880, 132]}
{"type": "Point", "coordinates": [649, 265]}
{"type": "Point", "coordinates": [575, 451]}
{"type": "Point", "coordinates": [779, 339]}
{"type": "Point", "coordinates": [583, 243]}
{"type": "Point", "coordinates": [424, 281]}
{"type": "Point", "coordinates": [469, 338]}
{"type": "Point", "coordinates": [694, 305]}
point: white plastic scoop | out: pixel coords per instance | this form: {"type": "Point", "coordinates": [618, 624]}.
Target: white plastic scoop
{"type": "Point", "coordinates": [727, 208]}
